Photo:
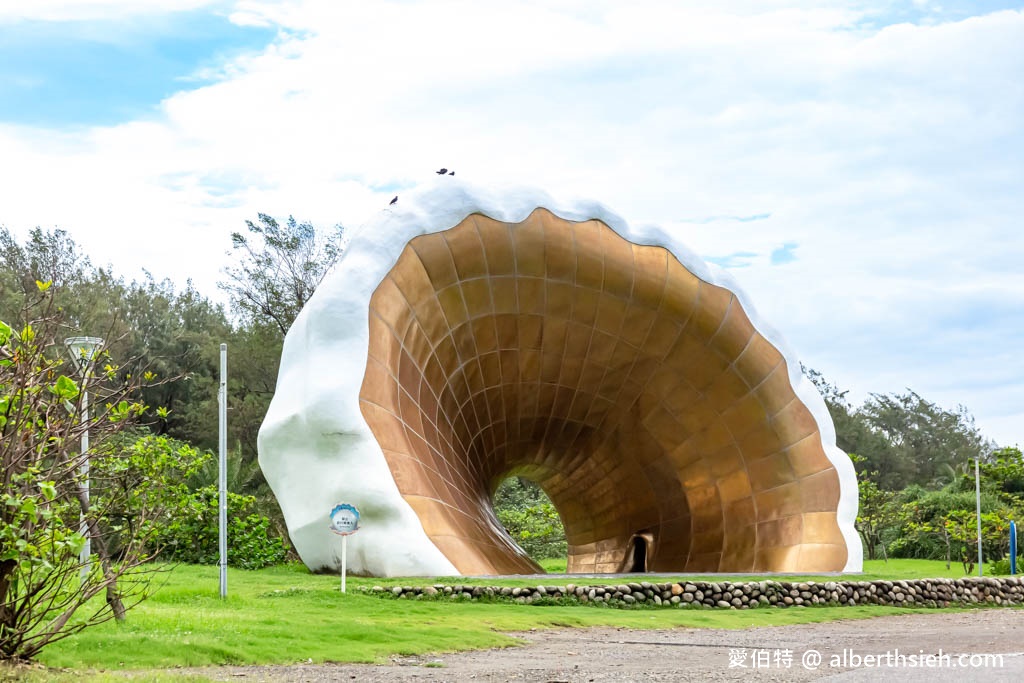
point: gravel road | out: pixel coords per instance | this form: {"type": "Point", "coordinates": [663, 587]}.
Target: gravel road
{"type": "Point", "coordinates": [771, 653]}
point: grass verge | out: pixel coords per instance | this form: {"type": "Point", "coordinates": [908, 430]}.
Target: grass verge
{"type": "Point", "coordinates": [285, 615]}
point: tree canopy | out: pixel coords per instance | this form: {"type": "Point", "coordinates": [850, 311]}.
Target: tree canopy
{"type": "Point", "coordinates": [278, 268]}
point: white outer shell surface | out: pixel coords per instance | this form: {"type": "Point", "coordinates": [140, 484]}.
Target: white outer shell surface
{"type": "Point", "coordinates": [316, 449]}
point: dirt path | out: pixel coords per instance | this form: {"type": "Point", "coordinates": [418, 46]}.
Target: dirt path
{"type": "Point", "coordinates": [609, 654]}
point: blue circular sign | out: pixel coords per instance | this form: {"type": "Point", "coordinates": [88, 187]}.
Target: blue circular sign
{"type": "Point", "coordinates": [344, 519]}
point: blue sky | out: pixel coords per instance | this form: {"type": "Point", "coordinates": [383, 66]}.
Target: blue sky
{"type": "Point", "coordinates": [109, 71]}
{"type": "Point", "coordinates": [856, 165]}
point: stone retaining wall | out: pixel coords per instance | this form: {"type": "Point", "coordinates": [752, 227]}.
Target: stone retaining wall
{"type": "Point", "coordinates": [740, 595]}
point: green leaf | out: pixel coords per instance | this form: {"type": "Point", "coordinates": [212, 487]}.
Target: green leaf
{"type": "Point", "coordinates": [65, 388]}
{"type": "Point", "coordinates": [43, 286]}
{"type": "Point", "coordinates": [48, 489]}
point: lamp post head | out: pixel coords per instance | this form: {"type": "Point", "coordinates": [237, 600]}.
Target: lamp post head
{"type": "Point", "coordinates": [83, 350]}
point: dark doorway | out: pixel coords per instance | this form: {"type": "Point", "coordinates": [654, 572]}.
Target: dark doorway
{"type": "Point", "coordinates": [639, 555]}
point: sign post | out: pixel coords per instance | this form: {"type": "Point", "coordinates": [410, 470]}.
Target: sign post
{"type": "Point", "coordinates": [344, 522]}
{"type": "Point", "coordinates": [1013, 548]}
{"type": "Point", "coordinates": [222, 485]}
{"type": "Point", "coordinates": [977, 494]}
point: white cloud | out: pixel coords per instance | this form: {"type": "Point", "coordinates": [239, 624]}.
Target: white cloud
{"type": "Point", "coordinates": [892, 156]}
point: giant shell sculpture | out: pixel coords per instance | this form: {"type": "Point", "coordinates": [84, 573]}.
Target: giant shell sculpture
{"type": "Point", "coordinates": [470, 334]}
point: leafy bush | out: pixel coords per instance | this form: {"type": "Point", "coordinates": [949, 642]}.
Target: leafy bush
{"type": "Point", "coordinates": [51, 507]}
{"type": "Point", "coordinates": [1002, 567]}
{"type": "Point", "coordinates": [192, 534]}
{"type": "Point", "coordinates": [530, 519]}
{"type": "Point", "coordinates": [932, 525]}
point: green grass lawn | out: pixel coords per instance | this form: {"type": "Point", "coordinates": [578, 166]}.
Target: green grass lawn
{"type": "Point", "coordinates": [286, 615]}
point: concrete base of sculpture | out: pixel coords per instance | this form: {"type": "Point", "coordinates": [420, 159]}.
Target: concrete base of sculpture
{"type": "Point", "coordinates": [466, 337]}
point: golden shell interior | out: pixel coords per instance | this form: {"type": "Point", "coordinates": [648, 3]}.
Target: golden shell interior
{"type": "Point", "coordinates": [639, 397]}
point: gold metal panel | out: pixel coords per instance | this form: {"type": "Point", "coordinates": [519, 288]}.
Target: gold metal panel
{"type": "Point", "coordinates": [618, 264]}
{"type": "Point", "coordinates": [531, 295]}
{"type": "Point", "coordinates": [411, 476]}
{"type": "Point", "coordinates": [681, 291]}
{"type": "Point", "coordinates": [735, 334]}
{"type": "Point", "coordinates": [503, 293]}
{"type": "Point", "coordinates": [757, 361]}
{"type": "Point", "coordinates": [661, 337]}
{"type": "Point", "coordinates": [723, 393]}
{"type": "Point", "coordinates": [821, 527]}
{"type": "Point", "coordinates": [530, 331]}
{"type": "Point", "coordinates": [436, 258]}
{"type": "Point", "coordinates": [682, 399]}
{"type": "Point", "coordinates": [589, 256]}
{"type": "Point", "coordinates": [389, 430]}
{"type": "Point", "coordinates": [558, 303]}
{"type": "Point", "coordinates": [780, 501]}
{"type": "Point", "coordinates": [394, 309]}
{"type": "Point", "coordinates": [649, 281]}
{"type": "Point", "coordinates": [610, 313]}
{"type": "Point", "coordinates": [775, 392]}
{"type": "Point", "coordinates": [767, 473]}
{"type": "Point", "coordinates": [559, 253]}
{"type": "Point", "coordinates": [734, 486]}
{"type": "Point", "coordinates": [784, 531]}
{"type": "Point", "coordinates": [413, 282]}
{"type": "Point", "coordinates": [820, 492]}
{"type": "Point", "coordinates": [794, 423]}
{"type": "Point", "coordinates": [725, 461]}
{"type": "Point", "coordinates": [704, 368]}
{"type": "Point", "coordinates": [744, 415]}
{"type": "Point", "coordinates": [477, 295]}
{"type": "Point", "coordinates": [379, 386]}
{"type": "Point", "coordinates": [497, 243]}
{"type": "Point", "coordinates": [467, 251]}
{"type": "Point", "coordinates": [740, 512]}
{"type": "Point", "coordinates": [638, 396]}
{"type": "Point", "coordinates": [807, 457]}
{"type": "Point", "coordinates": [739, 546]}
{"type": "Point", "coordinates": [819, 557]}
{"type": "Point", "coordinates": [759, 443]}
{"type": "Point", "coordinates": [528, 246]}
{"type": "Point", "coordinates": [773, 559]}
{"type": "Point", "coordinates": [485, 334]}
{"type": "Point", "coordinates": [712, 305]}
{"type": "Point", "coordinates": [430, 317]}
{"type": "Point", "coordinates": [637, 324]}
{"type": "Point", "coordinates": [453, 306]}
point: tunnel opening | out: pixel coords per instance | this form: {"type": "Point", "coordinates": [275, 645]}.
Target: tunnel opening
{"type": "Point", "coordinates": [530, 518]}
{"type": "Point", "coordinates": [637, 395]}
{"type": "Point", "coordinates": [639, 559]}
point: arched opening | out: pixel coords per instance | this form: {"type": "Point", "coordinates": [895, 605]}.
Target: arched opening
{"type": "Point", "coordinates": [636, 394]}
{"type": "Point", "coordinates": [532, 521]}
{"type": "Point", "coordinates": [640, 553]}
{"type": "Point", "coordinates": [639, 563]}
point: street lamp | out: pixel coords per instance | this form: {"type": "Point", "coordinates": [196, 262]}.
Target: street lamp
{"type": "Point", "coordinates": [83, 352]}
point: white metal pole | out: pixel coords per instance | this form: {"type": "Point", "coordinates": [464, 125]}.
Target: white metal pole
{"type": "Point", "coordinates": [86, 555]}
{"type": "Point", "coordinates": [222, 399]}
{"type": "Point", "coordinates": [977, 495]}
{"type": "Point", "coordinates": [344, 561]}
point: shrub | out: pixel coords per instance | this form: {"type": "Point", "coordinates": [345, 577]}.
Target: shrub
{"type": "Point", "coordinates": [192, 534]}
{"type": "Point", "coordinates": [1002, 567]}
